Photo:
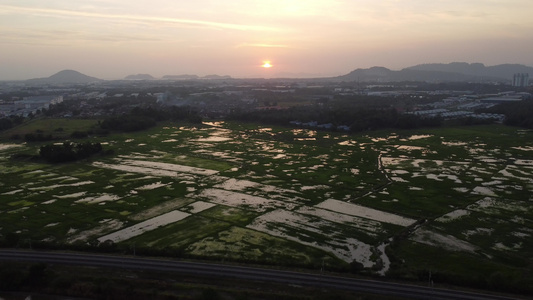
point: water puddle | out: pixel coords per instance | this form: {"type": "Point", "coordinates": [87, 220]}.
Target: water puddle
{"type": "Point", "coordinates": [8, 146]}
{"type": "Point", "coordinates": [54, 186]}
{"type": "Point", "coordinates": [364, 212]}
{"type": "Point", "coordinates": [98, 199]}
{"type": "Point", "coordinates": [154, 168]}
{"type": "Point", "coordinates": [456, 214]}
{"type": "Point", "coordinates": [297, 227]}
{"type": "Point", "coordinates": [244, 201]}
{"type": "Point", "coordinates": [418, 137]}
{"type": "Point", "coordinates": [362, 223]}
{"type": "Point", "coordinates": [105, 226]}
{"type": "Point", "coordinates": [448, 242]}
{"type": "Point", "coordinates": [13, 192]}
{"type": "Point", "coordinates": [148, 225]}
{"type": "Point", "coordinates": [198, 206]}
{"type": "Point", "coordinates": [74, 195]}
{"type": "Point", "coordinates": [152, 186]}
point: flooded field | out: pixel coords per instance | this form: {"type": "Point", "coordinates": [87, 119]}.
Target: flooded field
{"type": "Point", "coordinates": [233, 191]}
{"type": "Point", "coordinates": [148, 225]}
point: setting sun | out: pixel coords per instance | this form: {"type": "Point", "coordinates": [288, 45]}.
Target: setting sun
{"type": "Point", "coordinates": [267, 64]}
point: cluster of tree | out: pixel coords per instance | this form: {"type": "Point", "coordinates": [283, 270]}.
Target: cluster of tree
{"type": "Point", "coordinates": [502, 281]}
{"type": "Point", "coordinates": [80, 134]}
{"type": "Point", "coordinates": [56, 109]}
{"type": "Point", "coordinates": [358, 118]}
{"type": "Point", "coordinates": [68, 151]}
{"type": "Point", "coordinates": [374, 118]}
{"type": "Point", "coordinates": [141, 118]}
{"type": "Point", "coordinates": [13, 277]}
{"type": "Point", "coordinates": [127, 123]}
{"type": "Point", "coordinates": [168, 113]}
{"type": "Point", "coordinates": [9, 122]}
{"type": "Point", "coordinates": [38, 136]}
{"type": "Point", "coordinates": [111, 103]}
{"type": "Point", "coordinates": [470, 121]}
{"type": "Point", "coordinates": [516, 113]}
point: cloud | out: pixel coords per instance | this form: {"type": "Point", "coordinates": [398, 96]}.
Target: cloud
{"type": "Point", "coordinates": [255, 45]}
{"type": "Point", "coordinates": [65, 37]}
{"type": "Point", "coordinates": [134, 18]}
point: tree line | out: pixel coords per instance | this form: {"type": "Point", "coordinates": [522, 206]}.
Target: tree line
{"type": "Point", "coordinates": [10, 122]}
{"type": "Point", "coordinates": [68, 151]}
{"type": "Point", "coordinates": [518, 113]}
{"type": "Point", "coordinates": [357, 118]}
{"type": "Point", "coordinates": [141, 118]}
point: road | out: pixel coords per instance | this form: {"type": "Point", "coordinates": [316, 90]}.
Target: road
{"type": "Point", "coordinates": [242, 273]}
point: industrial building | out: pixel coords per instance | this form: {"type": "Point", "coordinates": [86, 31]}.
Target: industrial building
{"type": "Point", "coordinates": [521, 79]}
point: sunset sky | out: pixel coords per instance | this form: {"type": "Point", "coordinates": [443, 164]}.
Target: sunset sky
{"type": "Point", "coordinates": [110, 39]}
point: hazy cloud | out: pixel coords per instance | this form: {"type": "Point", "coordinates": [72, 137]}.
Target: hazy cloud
{"type": "Point", "coordinates": [124, 17]}
{"type": "Point", "coordinates": [257, 45]}
{"type": "Point", "coordinates": [66, 37]}
{"type": "Point", "coordinates": [234, 37]}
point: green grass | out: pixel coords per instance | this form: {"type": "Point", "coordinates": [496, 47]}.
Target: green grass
{"type": "Point", "coordinates": [180, 234]}
{"type": "Point", "coordinates": [252, 155]}
{"type": "Point", "coordinates": [416, 261]}
{"type": "Point", "coordinates": [60, 128]}
{"type": "Point", "coordinates": [231, 215]}
{"type": "Point", "coordinates": [243, 244]}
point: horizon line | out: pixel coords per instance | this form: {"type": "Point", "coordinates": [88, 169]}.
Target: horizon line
{"type": "Point", "coordinates": [280, 75]}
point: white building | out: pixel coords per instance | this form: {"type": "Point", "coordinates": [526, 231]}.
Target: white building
{"type": "Point", "coordinates": [521, 79]}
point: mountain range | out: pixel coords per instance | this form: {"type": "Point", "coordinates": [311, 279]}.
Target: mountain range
{"type": "Point", "coordinates": [193, 77]}
{"type": "Point", "coordinates": [64, 77]}
{"type": "Point", "coordinates": [452, 72]}
{"type": "Point", "coordinates": [139, 77]}
{"type": "Point", "coordinates": [457, 71]}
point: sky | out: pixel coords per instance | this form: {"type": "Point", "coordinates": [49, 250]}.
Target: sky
{"type": "Point", "coordinates": [111, 39]}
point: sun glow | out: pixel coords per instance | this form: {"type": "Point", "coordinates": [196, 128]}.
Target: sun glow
{"type": "Point", "coordinates": [266, 64]}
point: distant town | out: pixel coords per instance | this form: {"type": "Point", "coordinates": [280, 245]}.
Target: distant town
{"type": "Point", "coordinates": [216, 97]}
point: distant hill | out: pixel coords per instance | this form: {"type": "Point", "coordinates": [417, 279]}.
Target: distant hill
{"type": "Point", "coordinates": [453, 72]}
{"type": "Point", "coordinates": [65, 76]}
{"type": "Point", "coordinates": [216, 77]}
{"type": "Point", "coordinates": [371, 74]}
{"type": "Point", "coordinates": [504, 71]}
{"type": "Point", "coordinates": [139, 77]}
{"type": "Point", "coordinates": [180, 77]}
{"type": "Point", "coordinates": [193, 77]}
{"type": "Point", "coordinates": [381, 74]}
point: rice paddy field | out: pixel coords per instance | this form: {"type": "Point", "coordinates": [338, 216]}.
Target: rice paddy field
{"type": "Point", "coordinates": [446, 201]}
